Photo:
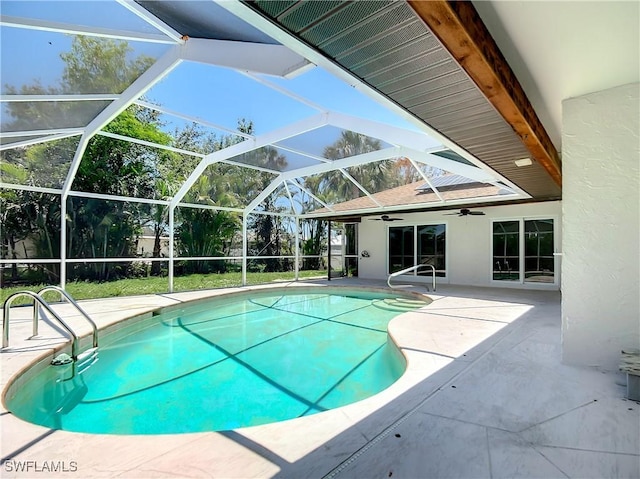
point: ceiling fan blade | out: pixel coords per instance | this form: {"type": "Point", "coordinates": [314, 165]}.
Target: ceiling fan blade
{"type": "Point", "coordinates": [385, 218]}
{"type": "Point", "coordinates": [465, 212]}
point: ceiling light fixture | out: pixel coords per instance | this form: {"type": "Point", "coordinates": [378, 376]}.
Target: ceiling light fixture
{"type": "Point", "coordinates": [523, 162]}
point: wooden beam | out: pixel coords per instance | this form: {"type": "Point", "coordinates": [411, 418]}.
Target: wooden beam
{"type": "Point", "coordinates": [461, 31]}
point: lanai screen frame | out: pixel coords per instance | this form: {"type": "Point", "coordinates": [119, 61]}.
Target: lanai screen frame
{"type": "Point", "coordinates": [293, 57]}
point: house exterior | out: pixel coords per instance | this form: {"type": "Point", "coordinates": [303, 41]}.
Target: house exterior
{"type": "Point", "coordinates": [471, 245]}
{"type": "Point", "coordinates": [505, 245]}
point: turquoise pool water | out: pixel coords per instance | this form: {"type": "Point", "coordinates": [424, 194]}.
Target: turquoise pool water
{"type": "Point", "coordinates": [225, 364]}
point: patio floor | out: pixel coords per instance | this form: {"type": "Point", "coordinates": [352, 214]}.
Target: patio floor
{"type": "Point", "coordinates": [485, 395]}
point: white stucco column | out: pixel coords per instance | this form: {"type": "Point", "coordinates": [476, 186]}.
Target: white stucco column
{"type": "Point", "coordinates": [601, 222]}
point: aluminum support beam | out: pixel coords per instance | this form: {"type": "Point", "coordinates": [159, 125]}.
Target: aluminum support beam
{"type": "Point", "coordinates": [171, 245]}
{"type": "Point", "coordinates": [72, 29]}
{"type": "Point", "coordinates": [276, 60]}
{"type": "Point", "coordinates": [151, 19]}
{"type": "Point", "coordinates": [246, 146]}
{"type": "Point", "coordinates": [245, 247]}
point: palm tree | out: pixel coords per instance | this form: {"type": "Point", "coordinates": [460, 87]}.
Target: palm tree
{"type": "Point", "coordinates": [372, 176]}
{"type": "Point", "coordinates": [206, 232]}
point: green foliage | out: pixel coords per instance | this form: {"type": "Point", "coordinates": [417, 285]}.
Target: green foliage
{"type": "Point", "coordinates": [101, 229]}
{"type": "Point", "coordinates": [205, 233]}
{"type": "Point", "coordinates": [98, 65]}
{"type": "Point", "coordinates": [44, 164]}
{"type": "Point", "coordinates": [350, 144]}
{"type": "Point", "coordinates": [96, 228]}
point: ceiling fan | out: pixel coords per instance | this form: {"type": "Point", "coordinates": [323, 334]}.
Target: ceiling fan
{"type": "Point", "coordinates": [386, 218]}
{"type": "Point", "coordinates": [467, 212]}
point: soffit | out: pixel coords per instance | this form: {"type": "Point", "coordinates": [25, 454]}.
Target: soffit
{"type": "Point", "coordinates": [561, 50]}
{"type": "Point", "coordinates": [389, 47]}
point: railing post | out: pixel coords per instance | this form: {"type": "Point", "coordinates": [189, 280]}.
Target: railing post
{"type": "Point", "coordinates": [36, 318]}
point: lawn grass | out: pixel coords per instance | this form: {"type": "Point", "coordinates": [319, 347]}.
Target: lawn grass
{"type": "Point", "coordinates": [155, 285]}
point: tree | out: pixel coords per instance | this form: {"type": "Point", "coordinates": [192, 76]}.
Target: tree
{"type": "Point", "coordinates": [352, 144]}
{"type": "Point", "coordinates": [12, 228]}
{"type": "Point", "coordinates": [98, 65]}
{"type": "Point", "coordinates": [207, 232]}
{"type": "Point", "coordinates": [334, 186]}
{"type": "Point", "coordinates": [109, 166]}
{"type": "Point", "coordinates": [268, 230]}
{"type": "Point", "coordinates": [30, 215]}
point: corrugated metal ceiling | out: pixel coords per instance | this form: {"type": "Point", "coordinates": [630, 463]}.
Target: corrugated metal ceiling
{"type": "Point", "coordinates": [387, 45]}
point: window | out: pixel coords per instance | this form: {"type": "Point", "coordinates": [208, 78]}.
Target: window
{"type": "Point", "coordinates": [506, 250]}
{"type": "Point", "coordinates": [523, 251]}
{"type": "Point", "coordinates": [401, 248]}
{"type": "Point", "coordinates": [421, 244]}
{"type": "Point", "coordinates": [431, 249]}
{"type": "Point", "coordinates": [351, 249]}
{"type": "Point", "coordinates": [538, 251]}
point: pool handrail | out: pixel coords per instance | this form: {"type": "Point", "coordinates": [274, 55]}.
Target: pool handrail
{"type": "Point", "coordinates": [72, 301]}
{"type": "Point", "coordinates": [414, 268]}
{"type": "Point", "coordinates": [37, 300]}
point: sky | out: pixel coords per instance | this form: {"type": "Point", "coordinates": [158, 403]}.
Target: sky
{"type": "Point", "coordinates": [213, 93]}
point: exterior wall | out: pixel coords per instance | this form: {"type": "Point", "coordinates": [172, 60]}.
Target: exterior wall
{"type": "Point", "coordinates": [601, 215]}
{"type": "Point", "coordinates": [469, 255]}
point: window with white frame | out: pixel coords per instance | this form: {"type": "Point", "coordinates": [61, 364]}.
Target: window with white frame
{"type": "Point", "coordinates": [523, 250]}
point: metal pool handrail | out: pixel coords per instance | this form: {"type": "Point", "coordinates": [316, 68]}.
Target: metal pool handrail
{"type": "Point", "coordinates": [413, 268]}
{"type": "Point", "coordinates": [68, 297]}
{"type": "Point", "coordinates": [36, 300]}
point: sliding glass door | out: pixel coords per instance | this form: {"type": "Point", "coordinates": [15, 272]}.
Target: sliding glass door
{"type": "Point", "coordinates": [431, 249]}
{"type": "Point", "coordinates": [539, 262]}
{"type": "Point", "coordinates": [401, 248]}
{"type": "Point", "coordinates": [418, 244]}
{"type": "Point", "coordinates": [506, 250]}
{"type": "Point", "coordinates": [523, 251]}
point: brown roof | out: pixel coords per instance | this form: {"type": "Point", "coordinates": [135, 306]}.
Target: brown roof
{"type": "Point", "coordinates": [410, 195]}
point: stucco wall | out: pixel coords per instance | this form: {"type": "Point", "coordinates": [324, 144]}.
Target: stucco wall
{"type": "Point", "coordinates": [469, 254]}
{"type": "Point", "coordinates": [601, 216]}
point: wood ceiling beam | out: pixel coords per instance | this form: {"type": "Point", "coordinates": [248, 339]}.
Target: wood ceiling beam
{"type": "Point", "coordinates": [461, 31]}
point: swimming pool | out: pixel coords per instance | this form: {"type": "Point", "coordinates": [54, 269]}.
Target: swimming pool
{"type": "Point", "coordinates": [230, 362]}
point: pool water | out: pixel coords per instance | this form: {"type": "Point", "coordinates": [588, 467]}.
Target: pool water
{"type": "Point", "coordinates": [225, 364]}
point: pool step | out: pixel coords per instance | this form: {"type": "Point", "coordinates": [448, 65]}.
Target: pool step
{"type": "Point", "coordinates": [399, 304]}
{"type": "Point", "coordinates": [86, 359]}
{"type": "Point", "coordinates": [70, 369]}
